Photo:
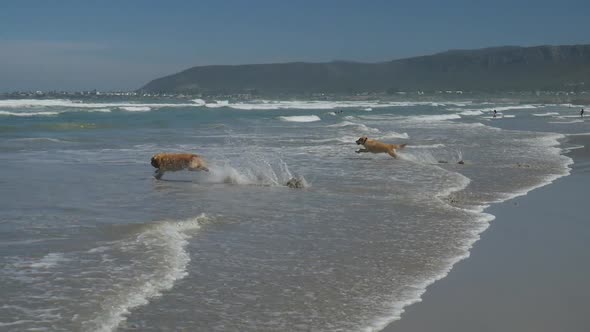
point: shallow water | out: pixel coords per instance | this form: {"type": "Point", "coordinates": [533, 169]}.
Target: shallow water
{"type": "Point", "coordinates": [90, 241]}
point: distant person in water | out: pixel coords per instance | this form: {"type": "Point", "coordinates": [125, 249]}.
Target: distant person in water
{"type": "Point", "coordinates": [582, 113]}
{"type": "Point", "coordinates": [495, 113]}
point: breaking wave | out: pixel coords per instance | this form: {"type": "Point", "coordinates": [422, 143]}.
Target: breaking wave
{"type": "Point", "coordinates": [300, 118]}
{"type": "Point", "coordinates": [165, 242]}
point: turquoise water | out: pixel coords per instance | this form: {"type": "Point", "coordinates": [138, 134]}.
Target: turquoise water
{"type": "Point", "coordinates": [91, 241]}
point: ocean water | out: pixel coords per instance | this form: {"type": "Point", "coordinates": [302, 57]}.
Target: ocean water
{"type": "Point", "coordinates": [90, 241]}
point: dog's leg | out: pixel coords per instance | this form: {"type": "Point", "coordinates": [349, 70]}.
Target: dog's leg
{"type": "Point", "coordinates": [392, 153]}
{"type": "Point", "coordinates": [361, 150]}
{"type": "Point", "coordinates": [198, 168]}
{"type": "Point", "coordinates": [159, 174]}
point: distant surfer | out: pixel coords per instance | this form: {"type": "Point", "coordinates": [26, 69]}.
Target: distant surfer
{"type": "Point", "coordinates": [582, 113]}
{"type": "Point", "coordinates": [495, 113]}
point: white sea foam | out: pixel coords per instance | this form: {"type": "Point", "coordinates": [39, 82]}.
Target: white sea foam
{"type": "Point", "coordinates": [482, 220]}
{"type": "Point", "coordinates": [426, 146]}
{"type": "Point", "coordinates": [218, 104]}
{"type": "Point", "coordinates": [199, 102]}
{"type": "Point", "coordinates": [566, 122]}
{"type": "Point", "coordinates": [26, 103]}
{"type": "Point", "coordinates": [168, 239]}
{"type": "Point", "coordinates": [343, 139]}
{"type": "Point", "coordinates": [415, 291]}
{"type": "Point", "coordinates": [357, 126]}
{"type": "Point", "coordinates": [393, 134]}
{"type": "Point", "coordinates": [499, 116]}
{"type": "Point", "coordinates": [300, 118]}
{"type": "Point", "coordinates": [39, 139]}
{"type": "Point", "coordinates": [100, 110]}
{"type": "Point", "coordinates": [302, 104]}
{"type": "Point", "coordinates": [68, 104]}
{"type": "Point", "coordinates": [569, 116]}
{"type": "Point", "coordinates": [546, 114]}
{"type": "Point", "coordinates": [48, 261]}
{"type": "Point", "coordinates": [507, 108]}
{"type": "Point", "coordinates": [437, 117]}
{"type": "Point", "coordinates": [468, 113]}
{"type": "Point", "coordinates": [136, 108]}
{"type": "Point", "coordinates": [27, 114]}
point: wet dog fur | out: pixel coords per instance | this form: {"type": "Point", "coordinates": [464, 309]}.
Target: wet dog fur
{"type": "Point", "coordinates": [375, 146]}
{"type": "Point", "coordinates": [172, 162]}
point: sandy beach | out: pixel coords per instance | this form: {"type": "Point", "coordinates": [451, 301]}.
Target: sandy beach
{"type": "Point", "coordinates": [529, 271]}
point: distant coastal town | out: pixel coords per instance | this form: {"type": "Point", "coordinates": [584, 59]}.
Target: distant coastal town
{"type": "Point", "coordinates": [572, 97]}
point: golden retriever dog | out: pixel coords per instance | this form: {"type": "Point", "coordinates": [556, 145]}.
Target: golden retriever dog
{"type": "Point", "coordinates": [375, 146]}
{"type": "Point", "coordinates": [172, 162]}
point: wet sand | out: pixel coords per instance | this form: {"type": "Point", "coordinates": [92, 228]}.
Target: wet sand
{"type": "Point", "coordinates": [529, 272]}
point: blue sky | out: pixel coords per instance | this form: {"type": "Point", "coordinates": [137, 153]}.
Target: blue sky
{"type": "Point", "coordinates": [123, 44]}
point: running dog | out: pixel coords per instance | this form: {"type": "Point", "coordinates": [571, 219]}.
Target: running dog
{"type": "Point", "coordinates": [375, 146]}
{"type": "Point", "coordinates": [172, 162]}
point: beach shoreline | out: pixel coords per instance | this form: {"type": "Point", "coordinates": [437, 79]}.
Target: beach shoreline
{"type": "Point", "coordinates": [525, 273]}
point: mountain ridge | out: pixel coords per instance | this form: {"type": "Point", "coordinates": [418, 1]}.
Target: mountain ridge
{"type": "Point", "coordinates": [503, 68]}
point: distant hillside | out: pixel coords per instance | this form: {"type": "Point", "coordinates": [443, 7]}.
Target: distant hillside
{"type": "Point", "coordinates": [490, 69]}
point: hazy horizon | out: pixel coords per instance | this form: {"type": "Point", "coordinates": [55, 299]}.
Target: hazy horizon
{"type": "Point", "coordinates": [109, 46]}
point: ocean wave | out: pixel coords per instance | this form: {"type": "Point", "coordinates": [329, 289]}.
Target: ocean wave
{"type": "Point", "coordinates": [300, 118]}
{"type": "Point", "coordinates": [569, 117]}
{"type": "Point", "coordinates": [393, 134]}
{"type": "Point", "coordinates": [317, 105]}
{"type": "Point", "coordinates": [28, 114]}
{"type": "Point", "coordinates": [548, 144]}
{"type": "Point", "coordinates": [502, 108]}
{"type": "Point", "coordinates": [429, 118]}
{"type": "Point", "coordinates": [167, 242]}
{"type": "Point", "coordinates": [428, 155]}
{"type": "Point", "coordinates": [136, 108]}
{"type": "Point", "coordinates": [566, 122]}
{"type": "Point", "coordinates": [48, 261]}
{"type": "Point", "coordinates": [357, 126]}
{"type": "Point", "coordinates": [546, 114]}
{"type": "Point", "coordinates": [413, 293]}
{"type": "Point", "coordinates": [426, 146]}
{"type": "Point", "coordinates": [199, 102]}
{"type": "Point", "coordinates": [27, 103]}
{"type": "Point", "coordinates": [499, 116]}
{"type": "Point", "coordinates": [469, 113]}
{"type": "Point", "coordinates": [67, 103]}
{"type": "Point", "coordinates": [218, 104]}
{"type": "Point", "coordinates": [39, 139]}
{"type": "Point", "coordinates": [343, 139]}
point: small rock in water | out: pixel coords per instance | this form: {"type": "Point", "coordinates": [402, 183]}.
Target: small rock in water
{"type": "Point", "coordinates": [461, 162]}
{"type": "Point", "coordinates": [295, 183]}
